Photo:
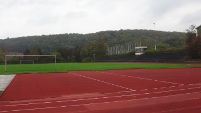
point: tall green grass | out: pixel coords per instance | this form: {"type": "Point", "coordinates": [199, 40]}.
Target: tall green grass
{"type": "Point", "coordinates": [65, 67]}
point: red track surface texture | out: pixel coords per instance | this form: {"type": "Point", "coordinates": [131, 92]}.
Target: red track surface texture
{"type": "Point", "coordinates": [119, 91]}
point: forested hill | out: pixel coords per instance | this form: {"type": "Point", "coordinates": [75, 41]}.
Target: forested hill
{"type": "Point", "coordinates": [51, 43]}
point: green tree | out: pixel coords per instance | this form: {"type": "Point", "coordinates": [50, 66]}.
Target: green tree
{"type": "Point", "coordinates": [36, 51]}
{"type": "Point", "coordinates": [1, 56]}
{"type": "Point", "coordinates": [94, 49]}
{"type": "Point", "coordinates": [193, 43]}
{"type": "Point", "coordinates": [77, 53]}
{"type": "Point", "coordinates": [193, 49]}
{"type": "Point", "coordinates": [27, 52]}
{"type": "Point", "coordinates": [66, 53]}
{"type": "Point", "coordinates": [100, 48]}
{"type": "Point", "coordinates": [59, 57]}
{"type": "Point", "coordinates": [191, 29]}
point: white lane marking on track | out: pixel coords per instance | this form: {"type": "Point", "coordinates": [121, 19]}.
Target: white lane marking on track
{"type": "Point", "coordinates": [33, 109]}
{"type": "Point", "coordinates": [176, 110]}
{"type": "Point", "coordinates": [144, 90]}
{"type": "Point", "coordinates": [105, 97]}
{"type": "Point", "coordinates": [25, 104]}
{"type": "Point", "coordinates": [47, 102]}
{"type": "Point", "coordinates": [134, 95]}
{"type": "Point", "coordinates": [15, 110]}
{"type": "Point", "coordinates": [102, 81]}
{"type": "Point", "coordinates": [143, 78]}
{"type": "Point", "coordinates": [181, 85]}
{"type": "Point", "coordinates": [3, 111]}
{"type": "Point", "coordinates": [97, 103]}
{"type": "Point", "coordinates": [166, 91]}
{"type": "Point", "coordinates": [194, 88]}
{"type": "Point", "coordinates": [172, 86]}
{"type": "Point", "coordinates": [131, 95]}
{"type": "Point", "coordinates": [58, 101]}
{"type": "Point", "coordinates": [136, 99]}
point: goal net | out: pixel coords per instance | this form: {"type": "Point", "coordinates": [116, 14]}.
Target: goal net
{"type": "Point", "coordinates": [26, 61]}
{"type": "Point", "coordinates": [30, 63]}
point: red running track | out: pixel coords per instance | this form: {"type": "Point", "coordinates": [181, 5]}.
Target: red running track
{"type": "Point", "coordinates": [127, 91]}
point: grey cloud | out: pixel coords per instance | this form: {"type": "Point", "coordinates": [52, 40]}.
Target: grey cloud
{"type": "Point", "coordinates": [42, 20]}
{"type": "Point", "coordinates": [192, 18]}
{"type": "Point", "coordinates": [159, 8]}
{"type": "Point", "coordinates": [75, 15]}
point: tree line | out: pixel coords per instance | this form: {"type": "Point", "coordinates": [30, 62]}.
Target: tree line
{"type": "Point", "coordinates": [89, 47]}
{"type": "Point", "coordinates": [193, 43]}
{"type": "Point", "coordinates": [92, 51]}
{"type": "Point", "coordinates": [51, 43]}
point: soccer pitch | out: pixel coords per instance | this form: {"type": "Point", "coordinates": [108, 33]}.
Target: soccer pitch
{"type": "Point", "coordinates": [65, 67]}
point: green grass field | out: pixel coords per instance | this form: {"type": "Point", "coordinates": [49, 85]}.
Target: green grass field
{"type": "Point", "coordinates": [65, 67]}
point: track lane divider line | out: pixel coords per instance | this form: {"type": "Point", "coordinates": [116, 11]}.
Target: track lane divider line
{"type": "Point", "coordinates": [103, 82]}
{"type": "Point", "coordinates": [144, 78]}
{"type": "Point", "coordinates": [104, 97]}
{"type": "Point", "coordinates": [176, 110]}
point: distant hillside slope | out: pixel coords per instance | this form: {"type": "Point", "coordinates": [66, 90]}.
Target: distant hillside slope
{"type": "Point", "coordinates": [50, 43]}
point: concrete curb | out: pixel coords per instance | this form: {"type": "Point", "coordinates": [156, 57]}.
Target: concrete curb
{"type": "Point", "coordinates": [5, 80]}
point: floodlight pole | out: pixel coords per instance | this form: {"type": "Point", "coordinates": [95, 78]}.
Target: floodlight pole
{"type": "Point", "coordinates": [155, 33]}
{"type": "Point", "coordinates": [55, 61]}
{"type": "Point", "coordinates": [5, 64]}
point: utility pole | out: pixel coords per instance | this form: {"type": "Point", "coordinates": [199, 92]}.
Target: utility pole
{"type": "Point", "coordinates": [155, 37]}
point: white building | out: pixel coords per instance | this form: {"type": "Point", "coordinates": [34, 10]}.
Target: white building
{"type": "Point", "coordinates": [199, 31]}
{"type": "Point", "coordinates": [140, 50]}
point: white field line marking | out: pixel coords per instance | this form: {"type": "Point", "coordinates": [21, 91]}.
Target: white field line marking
{"type": "Point", "coordinates": [105, 97]}
{"type": "Point", "coordinates": [144, 78]}
{"type": "Point", "coordinates": [162, 88]}
{"type": "Point", "coordinates": [103, 81]}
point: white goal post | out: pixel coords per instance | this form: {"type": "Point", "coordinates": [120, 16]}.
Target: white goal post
{"type": "Point", "coordinates": [55, 58]}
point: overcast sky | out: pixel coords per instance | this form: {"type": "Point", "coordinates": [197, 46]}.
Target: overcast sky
{"type": "Point", "coordinates": [43, 17]}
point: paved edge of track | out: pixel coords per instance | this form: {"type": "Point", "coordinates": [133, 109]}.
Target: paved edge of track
{"type": "Point", "coordinates": [5, 80]}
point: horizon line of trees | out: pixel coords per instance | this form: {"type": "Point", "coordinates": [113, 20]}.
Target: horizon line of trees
{"type": "Point", "coordinates": [193, 43]}
{"type": "Point", "coordinates": [51, 43]}
{"type": "Point", "coordinates": [90, 47]}
{"type": "Point", "coordinates": [89, 52]}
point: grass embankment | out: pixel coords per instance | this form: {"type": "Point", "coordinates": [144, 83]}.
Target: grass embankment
{"type": "Point", "coordinates": [65, 67]}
